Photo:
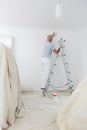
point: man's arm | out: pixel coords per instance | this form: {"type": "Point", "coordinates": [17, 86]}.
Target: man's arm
{"type": "Point", "coordinates": [53, 35]}
{"type": "Point", "coordinates": [56, 51]}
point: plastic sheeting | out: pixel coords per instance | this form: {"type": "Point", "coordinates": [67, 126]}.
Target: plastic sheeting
{"type": "Point", "coordinates": [10, 96]}
{"type": "Point", "coordinates": [74, 115]}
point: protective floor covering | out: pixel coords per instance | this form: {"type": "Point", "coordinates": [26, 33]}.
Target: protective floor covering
{"type": "Point", "coordinates": [40, 113]}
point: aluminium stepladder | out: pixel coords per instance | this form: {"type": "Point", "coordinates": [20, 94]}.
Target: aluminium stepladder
{"type": "Point", "coordinates": [69, 84]}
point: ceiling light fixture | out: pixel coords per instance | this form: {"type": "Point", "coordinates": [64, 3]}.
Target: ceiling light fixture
{"type": "Point", "coordinates": [59, 10]}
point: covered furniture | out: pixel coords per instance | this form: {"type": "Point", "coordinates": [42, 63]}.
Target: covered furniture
{"type": "Point", "coordinates": [74, 115]}
{"type": "Point", "coordinates": [10, 94]}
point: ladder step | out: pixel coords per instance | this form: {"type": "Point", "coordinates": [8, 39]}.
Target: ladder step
{"type": "Point", "coordinates": [65, 63]}
{"type": "Point", "coordinates": [71, 87]}
{"type": "Point", "coordinates": [48, 81]}
{"type": "Point", "coordinates": [61, 47]}
{"type": "Point", "coordinates": [69, 80]}
{"type": "Point", "coordinates": [67, 72]}
{"type": "Point", "coordinates": [64, 55]}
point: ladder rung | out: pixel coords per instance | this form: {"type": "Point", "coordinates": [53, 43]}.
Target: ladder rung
{"type": "Point", "coordinates": [66, 63]}
{"type": "Point", "coordinates": [67, 72]}
{"type": "Point", "coordinates": [71, 87]}
{"type": "Point", "coordinates": [62, 46]}
{"type": "Point", "coordinates": [69, 80]}
{"type": "Point", "coordinates": [64, 55]}
{"type": "Point", "coordinates": [48, 80]}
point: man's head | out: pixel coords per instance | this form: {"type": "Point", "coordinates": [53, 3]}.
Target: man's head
{"type": "Point", "coordinates": [49, 38]}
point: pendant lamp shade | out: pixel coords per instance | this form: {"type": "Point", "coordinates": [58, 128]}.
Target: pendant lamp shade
{"type": "Point", "coordinates": [59, 10]}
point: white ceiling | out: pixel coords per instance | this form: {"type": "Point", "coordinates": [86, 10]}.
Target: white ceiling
{"type": "Point", "coordinates": [41, 13]}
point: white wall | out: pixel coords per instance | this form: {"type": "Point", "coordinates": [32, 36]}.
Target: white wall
{"type": "Point", "coordinates": [27, 45]}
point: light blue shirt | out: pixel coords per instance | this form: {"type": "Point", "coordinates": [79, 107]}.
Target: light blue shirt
{"type": "Point", "coordinates": [47, 49]}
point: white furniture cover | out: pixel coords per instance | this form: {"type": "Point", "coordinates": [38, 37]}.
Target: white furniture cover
{"type": "Point", "coordinates": [74, 115]}
{"type": "Point", "coordinates": [10, 94]}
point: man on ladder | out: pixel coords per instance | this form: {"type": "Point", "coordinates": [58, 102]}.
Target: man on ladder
{"type": "Point", "coordinates": [46, 57]}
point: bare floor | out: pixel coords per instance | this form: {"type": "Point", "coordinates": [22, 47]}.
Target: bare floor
{"type": "Point", "coordinates": [40, 113]}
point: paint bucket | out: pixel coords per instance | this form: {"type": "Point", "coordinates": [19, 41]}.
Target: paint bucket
{"type": "Point", "coordinates": [55, 96]}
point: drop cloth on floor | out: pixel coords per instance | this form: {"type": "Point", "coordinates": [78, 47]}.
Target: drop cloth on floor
{"type": "Point", "coordinates": [40, 113]}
